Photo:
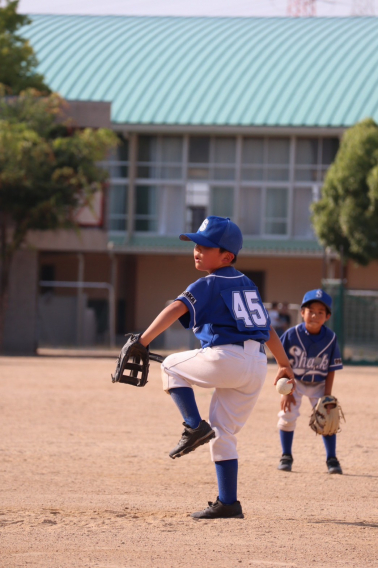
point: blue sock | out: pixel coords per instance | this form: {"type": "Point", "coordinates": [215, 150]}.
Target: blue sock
{"type": "Point", "coordinates": [330, 445]}
{"type": "Point", "coordinates": [184, 399]}
{"type": "Point", "coordinates": [286, 441]}
{"type": "Point", "coordinates": [227, 475]}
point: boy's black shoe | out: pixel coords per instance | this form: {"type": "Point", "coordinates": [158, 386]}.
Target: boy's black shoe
{"type": "Point", "coordinates": [334, 466]}
{"type": "Point", "coordinates": [286, 462]}
{"type": "Point", "coordinates": [192, 438]}
{"type": "Point", "coordinates": [219, 510]}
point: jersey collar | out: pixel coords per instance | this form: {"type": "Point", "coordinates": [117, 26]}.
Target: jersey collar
{"type": "Point", "coordinates": [226, 271]}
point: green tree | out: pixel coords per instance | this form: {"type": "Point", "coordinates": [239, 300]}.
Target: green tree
{"type": "Point", "coordinates": [18, 61]}
{"type": "Point", "coordinates": [346, 217]}
{"type": "Point", "coordinates": [47, 170]}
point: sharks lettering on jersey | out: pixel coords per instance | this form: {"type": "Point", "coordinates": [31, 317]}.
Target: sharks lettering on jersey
{"type": "Point", "coordinates": [312, 357]}
{"type": "Point", "coordinates": [301, 363]}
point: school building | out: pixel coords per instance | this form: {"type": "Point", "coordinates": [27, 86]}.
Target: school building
{"type": "Point", "coordinates": [236, 117]}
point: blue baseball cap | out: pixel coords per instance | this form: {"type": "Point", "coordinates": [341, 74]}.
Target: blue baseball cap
{"type": "Point", "coordinates": [217, 232]}
{"type": "Point", "coordinates": [317, 296]}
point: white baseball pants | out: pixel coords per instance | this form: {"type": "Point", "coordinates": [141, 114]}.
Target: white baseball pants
{"type": "Point", "coordinates": [287, 420]}
{"type": "Point", "coordinates": [236, 373]}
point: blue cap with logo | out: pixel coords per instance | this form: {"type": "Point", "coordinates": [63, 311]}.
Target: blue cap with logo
{"type": "Point", "coordinates": [317, 296]}
{"type": "Point", "coordinates": [217, 232]}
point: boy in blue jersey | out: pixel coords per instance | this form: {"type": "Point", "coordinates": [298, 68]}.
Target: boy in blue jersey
{"type": "Point", "coordinates": [225, 311]}
{"type": "Point", "coordinates": [314, 356]}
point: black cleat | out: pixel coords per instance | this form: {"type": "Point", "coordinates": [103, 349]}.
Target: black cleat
{"type": "Point", "coordinates": [219, 510]}
{"type": "Point", "coordinates": [286, 462]}
{"type": "Point", "coordinates": [192, 438]}
{"type": "Point", "coordinates": [334, 466]}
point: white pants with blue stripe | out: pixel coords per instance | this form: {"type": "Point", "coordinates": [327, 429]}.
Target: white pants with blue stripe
{"type": "Point", "coordinates": [287, 420]}
{"type": "Point", "coordinates": [236, 373]}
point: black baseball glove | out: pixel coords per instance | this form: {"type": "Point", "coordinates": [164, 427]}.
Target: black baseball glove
{"type": "Point", "coordinates": [134, 357]}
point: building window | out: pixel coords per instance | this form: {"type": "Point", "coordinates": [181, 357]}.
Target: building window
{"type": "Point", "coordinates": [199, 157]}
{"type": "Point", "coordinates": [306, 159]}
{"type": "Point", "coordinates": [253, 159]}
{"type": "Point", "coordinates": [160, 157]}
{"type": "Point", "coordinates": [171, 208]}
{"type": "Point", "coordinates": [197, 200]}
{"type": "Point", "coordinates": [147, 157]}
{"type": "Point", "coordinates": [146, 208]}
{"type": "Point", "coordinates": [159, 209]}
{"type": "Point", "coordinates": [264, 211]}
{"type": "Point", "coordinates": [303, 197]}
{"type": "Point", "coordinates": [265, 159]}
{"type": "Point", "coordinates": [118, 206]}
{"type": "Point", "coordinates": [278, 158]}
{"type": "Point", "coordinates": [330, 148]}
{"type": "Point", "coordinates": [224, 158]}
{"type": "Point", "coordinates": [182, 179]}
{"type": "Point", "coordinates": [171, 157]}
{"type": "Point", "coordinates": [47, 274]}
{"type": "Point", "coordinates": [313, 157]}
{"type": "Point", "coordinates": [276, 211]}
{"type": "Point", "coordinates": [117, 163]}
{"type": "Point", "coordinates": [250, 210]}
{"type": "Point", "coordinates": [222, 201]}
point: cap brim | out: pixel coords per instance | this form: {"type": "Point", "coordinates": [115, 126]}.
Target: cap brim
{"type": "Point", "coordinates": [198, 239]}
{"type": "Point", "coordinates": [317, 300]}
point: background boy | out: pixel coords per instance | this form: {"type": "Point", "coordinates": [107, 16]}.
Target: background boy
{"type": "Point", "coordinates": [314, 356]}
{"type": "Point", "coordinates": [225, 311]}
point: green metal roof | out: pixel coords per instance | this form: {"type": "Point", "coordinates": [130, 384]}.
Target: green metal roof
{"type": "Point", "coordinates": [165, 244]}
{"type": "Point", "coordinates": [315, 72]}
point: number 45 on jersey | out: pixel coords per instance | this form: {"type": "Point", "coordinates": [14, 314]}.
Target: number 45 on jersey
{"type": "Point", "coordinates": [248, 307]}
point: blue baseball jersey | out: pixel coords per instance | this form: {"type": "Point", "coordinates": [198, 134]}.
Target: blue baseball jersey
{"type": "Point", "coordinates": [225, 307]}
{"type": "Point", "coordinates": [311, 356]}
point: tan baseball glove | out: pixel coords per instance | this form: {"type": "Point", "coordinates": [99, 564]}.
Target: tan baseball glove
{"type": "Point", "coordinates": [326, 416]}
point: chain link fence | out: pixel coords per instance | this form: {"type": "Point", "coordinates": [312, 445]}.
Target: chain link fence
{"type": "Point", "coordinates": [355, 322]}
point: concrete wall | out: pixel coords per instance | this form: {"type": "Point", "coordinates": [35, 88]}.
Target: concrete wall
{"type": "Point", "coordinates": [91, 114]}
{"type": "Point", "coordinates": [158, 280]}
{"type": "Point", "coordinates": [286, 279]}
{"type": "Point", "coordinates": [363, 277]}
{"type": "Point", "coordinates": [64, 240]}
{"type": "Point", "coordinates": [20, 330]}
{"type": "Point", "coordinates": [146, 282]}
{"type": "Point", "coordinates": [97, 268]}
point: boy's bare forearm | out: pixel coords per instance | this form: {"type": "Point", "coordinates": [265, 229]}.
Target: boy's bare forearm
{"type": "Point", "coordinates": [163, 321]}
{"type": "Point", "coordinates": [329, 383]}
{"type": "Point", "coordinates": [275, 346]}
{"type": "Point", "coordinates": [277, 350]}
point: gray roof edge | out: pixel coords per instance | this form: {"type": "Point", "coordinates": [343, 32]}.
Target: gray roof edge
{"type": "Point", "coordinates": [228, 129]}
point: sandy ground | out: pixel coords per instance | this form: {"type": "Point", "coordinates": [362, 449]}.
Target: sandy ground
{"type": "Point", "coordinates": [86, 480]}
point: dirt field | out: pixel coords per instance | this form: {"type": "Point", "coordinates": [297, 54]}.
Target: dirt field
{"type": "Point", "coordinates": [86, 480]}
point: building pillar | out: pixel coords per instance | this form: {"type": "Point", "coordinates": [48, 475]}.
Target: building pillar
{"type": "Point", "coordinates": [112, 299]}
{"type": "Point", "coordinates": [131, 191]}
{"type": "Point", "coordinates": [80, 300]}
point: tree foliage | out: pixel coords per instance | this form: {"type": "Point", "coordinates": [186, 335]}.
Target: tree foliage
{"type": "Point", "coordinates": [47, 170]}
{"type": "Point", "coordinates": [346, 217]}
{"type": "Point", "coordinates": [18, 61]}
